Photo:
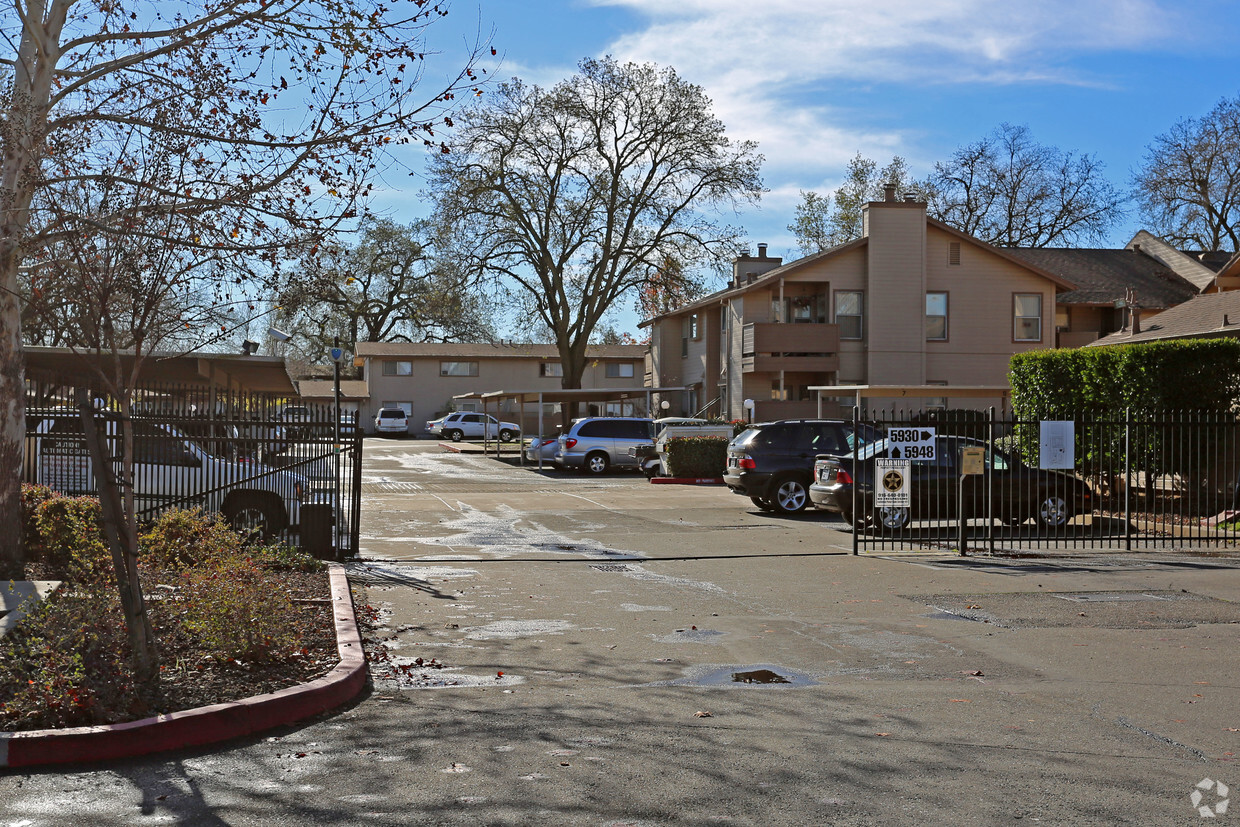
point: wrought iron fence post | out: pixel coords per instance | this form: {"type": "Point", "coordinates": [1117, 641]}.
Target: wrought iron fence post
{"type": "Point", "coordinates": [1127, 478]}
{"type": "Point", "coordinates": [856, 518]}
{"type": "Point", "coordinates": [990, 481]}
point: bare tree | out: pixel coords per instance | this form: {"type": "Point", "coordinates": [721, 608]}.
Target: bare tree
{"type": "Point", "coordinates": [1188, 186]}
{"type": "Point", "coordinates": [1010, 191]}
{"type": "Point", "coordinates": [577, 195]}
{"type": "Point", "coordinates": [385, 288]}
{"type": "Point", "coordinates": [819, 226]}
{"type": "Point", "coordinates": [274, 114]}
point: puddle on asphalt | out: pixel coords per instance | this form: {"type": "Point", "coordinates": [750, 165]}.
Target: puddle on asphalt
{"type": "Point", "coordinates": [759, 676]}
{"type": "Point", "coordinates": [691, 636]}
{"type": "Point", "coordinates": [736, 675]}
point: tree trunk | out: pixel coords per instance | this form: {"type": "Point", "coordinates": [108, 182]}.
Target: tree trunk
{"type": "Point", "coordinates": [26, 122]}
{"type": "Point", "coordinates": [119, 529]}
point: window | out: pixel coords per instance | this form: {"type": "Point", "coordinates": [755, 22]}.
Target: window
{"type": "Point", "coordinates": [936, 403]}
{"type": "Point", "coordinates": [458, 368]}
{"type": "Point", "coordinates": [619, 370]}
{"type": "Point", "coordinates": [467, 406]}
{"type": "Point", "coordinates": [936, 317]}
{"type": "Point", "coordinates": [392, 367]}
{"type": "Point", "coordinates": [1027, 317]}
{"type": "Point", "coordinates": [407, 407]}
{"type": "Point", "coordinates": [849, 307]}
{"type": "Point", "coordinates": [551, 369]}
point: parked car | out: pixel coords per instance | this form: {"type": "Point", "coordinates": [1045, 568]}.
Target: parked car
{"type": "Point", "coordinates": [1020, 492]}
{"type": "Point", "coordinates": [470, 425]}
{"type": "Point", "coordinates": [544, 446]}
{"type": "Point", "coordinates": [391, 421]}
{"type": "Point", "coordinates": [171, 468]}
{"type": "Point", "coordinates": [773, 463]}
{"type": "Point", "coordinates": [597, 443]}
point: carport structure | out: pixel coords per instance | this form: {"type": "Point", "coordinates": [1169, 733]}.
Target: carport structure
{"type": "Point", "coordinates": [1001, 393]}
{"type": "Point", "coordinates": [542, 397]}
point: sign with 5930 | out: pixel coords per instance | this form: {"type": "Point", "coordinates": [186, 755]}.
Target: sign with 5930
{"type": "Point", "coordinates": [911, 443]}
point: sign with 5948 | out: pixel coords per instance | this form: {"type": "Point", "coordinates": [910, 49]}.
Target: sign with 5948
{"type": "Point", "coordinates": [911, 443]}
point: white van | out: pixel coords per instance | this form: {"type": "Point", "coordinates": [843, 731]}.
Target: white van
{"type": "Point", "coordinates": [175, 470]}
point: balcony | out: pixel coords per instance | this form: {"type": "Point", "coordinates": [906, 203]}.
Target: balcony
{"type": "Point", "coordinates": [769, 347]}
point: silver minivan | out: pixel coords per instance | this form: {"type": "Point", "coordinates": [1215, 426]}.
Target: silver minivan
{"type": "Point", "coordinates": [597, 443]}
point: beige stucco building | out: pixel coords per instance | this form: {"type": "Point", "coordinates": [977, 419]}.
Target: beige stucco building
{"type": "Point", "coordinates": [423, 378]}
{"type": "Point", "coordinates": [911, 302]}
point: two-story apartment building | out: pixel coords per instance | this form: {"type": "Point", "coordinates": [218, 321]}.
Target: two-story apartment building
{"type": "Point", "coordinates": [912, 302]}
{"type": "Point", "coordinates": [424, 377]}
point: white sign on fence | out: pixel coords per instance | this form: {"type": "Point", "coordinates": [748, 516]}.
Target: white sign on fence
{"type": "Point", "coordinates": [1057, 445]}
{"type": "Point", "coordinates": [892, 490]}
{"type": "Point", "coordinates": [910, 443]}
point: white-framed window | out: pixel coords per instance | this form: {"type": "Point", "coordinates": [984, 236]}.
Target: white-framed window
{"type": "Point", "coordinates": [555, 369]}
{"type": "Point", "coordinates": [458, 368]}
{"type": "Point", "coordinates": [936, 317]}
{"type": "Point", "coordinates": [849, 312]}
{"type": "Point", "coordinates": [619, 370]}
{"type": "Point", "coordinates": [397, 367]}
{"type": "Point", "coordinates": [1027, 317]}
{"type": "Point", "coordinates": [407, 407]}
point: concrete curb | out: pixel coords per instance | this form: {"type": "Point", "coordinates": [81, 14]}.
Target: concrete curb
{"type": "Point", "coordinates": [210, 724]}
{"type": "Point", "coordinates": [686, 480]}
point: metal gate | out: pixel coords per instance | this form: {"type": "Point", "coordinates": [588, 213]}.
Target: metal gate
{"type": "Point", "coordinates": [280, 467]}
{"type": "Point", "coordinates": [1147, 480]}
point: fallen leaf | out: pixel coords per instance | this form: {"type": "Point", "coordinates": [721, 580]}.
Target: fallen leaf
{"type": "Point", "coordinates": [701, 713]}
{"type": "Point", "coordinates": [961, 701]}
{"type": "Point", "coordinates": [883, 734]}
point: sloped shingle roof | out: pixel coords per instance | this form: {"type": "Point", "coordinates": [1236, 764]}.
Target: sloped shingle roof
{"type": "Point", "coordinates": [1102, 276]}
{"type": "Point", "coordinates": [1200, 317]}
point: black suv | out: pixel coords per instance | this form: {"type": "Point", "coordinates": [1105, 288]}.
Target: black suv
{"type": "Point", "coordinates": [773, 463]}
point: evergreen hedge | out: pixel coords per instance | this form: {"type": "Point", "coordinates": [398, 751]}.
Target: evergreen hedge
{"type": "Point", "coordinates": [697, 456]}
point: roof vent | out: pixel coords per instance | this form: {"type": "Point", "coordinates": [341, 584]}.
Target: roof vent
{"type": "Point", "coordinates": [761, 251]}
{"type": "Point", "coordinates": [889, 192]}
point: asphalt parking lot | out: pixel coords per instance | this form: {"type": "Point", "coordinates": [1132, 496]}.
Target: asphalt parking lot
{"type": "Point", "coordinates": [562, 649]}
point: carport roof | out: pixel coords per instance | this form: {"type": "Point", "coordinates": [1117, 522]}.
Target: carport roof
{"type": "Point", "coordinates": [261, 374]}
{"type": "Point", "coordinates": [567, 394]}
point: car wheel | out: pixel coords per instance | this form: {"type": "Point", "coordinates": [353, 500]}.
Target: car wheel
{"type": "Point", "coordinates": [456, 435]}
{"type": "Point", "coordinates": [507, 435]}
{"type": "Point", "coordinates": [596, 463]}
{"type": "Point", "coordinates": [892, 518]}
{"type": "Point", "coordinates": [791, 495]}
{"type": "Point", "coordinates": [253, 516]}
{"type": "Point", "coordinates": [1053, 511]}
{"type": "Point", "coordinates": [856, 523]}
{"type": "Point", "coordinates": [765, 505]}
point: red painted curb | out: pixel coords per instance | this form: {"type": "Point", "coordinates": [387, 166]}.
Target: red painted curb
{"type": "Point", "coordinates": [687, 480]}
{"type": "Point", "coordinates": [209, 724]}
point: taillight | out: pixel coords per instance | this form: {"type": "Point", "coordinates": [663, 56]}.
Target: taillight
{"type": "Point", "coordinates": [570, 442]}
{"type": "Point", "coordinates": [747, 463]}
{"type": "Point", "coordinates": [843, 477]}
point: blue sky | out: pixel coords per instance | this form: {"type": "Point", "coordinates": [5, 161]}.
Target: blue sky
{"type": "Point", "coordinates": [816, 82]}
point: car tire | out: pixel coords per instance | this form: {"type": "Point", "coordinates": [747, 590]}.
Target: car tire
{"type": "Point", "coordinates": [456, 435]}
{"type": "Point", "coordinates": [765, 505]}
{"type": "Point", "coordinates": [789, 495]}
{"type": "Point", "coordinates": [596, 463]}
{"type": "Point", "coordinates": [254, 515]}
{"type": "Point", "coordinates": [1053, 511]}
{"type": "Point", "coordinates": [507, 435]}
{"type": "Point", "coordinates": [891, 518]}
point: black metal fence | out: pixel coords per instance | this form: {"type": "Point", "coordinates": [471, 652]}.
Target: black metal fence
{"type": "Point", "coordinates": [1166, 480]}
{"type": "Point", "coordinates": [272, 465]}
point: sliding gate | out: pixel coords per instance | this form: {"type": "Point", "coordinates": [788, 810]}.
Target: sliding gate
{"type": "Point", "coordinates": [974, 481]}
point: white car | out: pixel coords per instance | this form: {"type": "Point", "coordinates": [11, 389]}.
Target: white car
{"type": "Point", "coordinates": [391, 421]}
{"type": "Point", "coordinates": [173, 469]}
{"type": "Point", "coordinates": [469, 425]}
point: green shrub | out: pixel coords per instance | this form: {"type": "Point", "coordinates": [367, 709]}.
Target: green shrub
{"type": "Point", "coordinates": [32, 497]}
{"type": "Point", "coordinates": [65, 664]}
{"type": "Point", "coordinates": [183, 538]}
{"type": "Point", "coordinates": [231, 609]}
{"type": "Point", "coordinates": [697, 456]}
{"type": "Point", "coordinates": [284, 558]}
{"type": "Point", "coordinates": [71, 540]}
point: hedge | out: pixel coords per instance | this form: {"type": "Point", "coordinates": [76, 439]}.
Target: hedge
{"type": "Point", "coordinates": [697, 456]}
{"type": "Point", "coordinates": [1192, 374]}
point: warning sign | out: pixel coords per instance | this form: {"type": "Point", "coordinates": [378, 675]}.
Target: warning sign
{"type": "Point", "coordinates": [893, 489]}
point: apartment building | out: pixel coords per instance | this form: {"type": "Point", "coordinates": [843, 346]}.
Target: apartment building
{"type": "Point", "coordinates": [911, 302]}
{"type": "Point", "coordinates": [424, 377]}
